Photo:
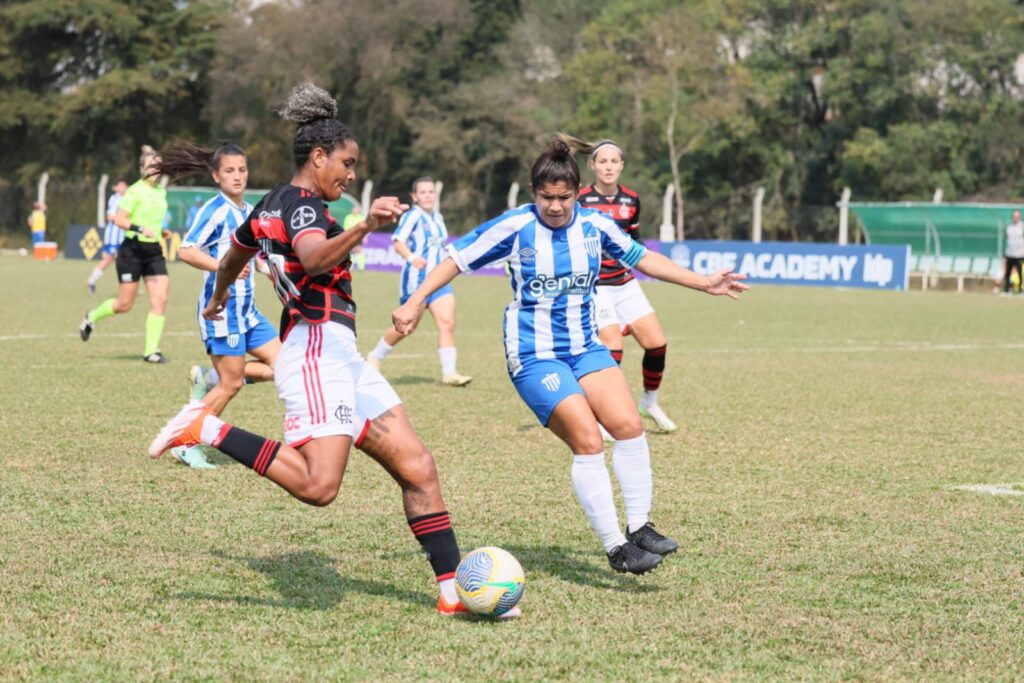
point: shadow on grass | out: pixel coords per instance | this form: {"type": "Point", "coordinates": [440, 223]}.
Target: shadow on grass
{"type": "Point", "coordinates": [411, 379]}
{"type": "Point", "coordinates": [305, 580]}
{"type": "Point", "coordinates": [587, 568]}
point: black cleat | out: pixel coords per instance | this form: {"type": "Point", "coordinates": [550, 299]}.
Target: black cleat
{"type": "Point", "coordinates": [85, 328]}
{"type": "Point", "coordinates": [155, 357]}
{"type": "Point", "coordinates": [650, 540]}
{"type": "Point", "coordinates": [629, 558]}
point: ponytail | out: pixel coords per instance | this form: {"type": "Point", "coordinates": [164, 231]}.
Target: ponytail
{"type": "Point", "coordinates": [186, 159]}
{"type": "Point", "coordinates": [556, 164]}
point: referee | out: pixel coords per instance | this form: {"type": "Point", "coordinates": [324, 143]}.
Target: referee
{"type": "Point", "coordinates": [140, 215]}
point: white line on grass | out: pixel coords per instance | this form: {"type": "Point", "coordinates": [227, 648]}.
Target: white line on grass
{"type": "Point", "coordinates": [992, 489]}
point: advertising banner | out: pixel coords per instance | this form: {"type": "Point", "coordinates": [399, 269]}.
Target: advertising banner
{"type": "Point", "coordinates": [798, 263]}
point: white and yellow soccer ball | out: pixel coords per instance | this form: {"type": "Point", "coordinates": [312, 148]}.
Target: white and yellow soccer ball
{"type": "Point", "coordinates": [490, 581]}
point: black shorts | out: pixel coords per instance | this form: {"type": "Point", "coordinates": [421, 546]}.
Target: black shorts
{"type": "Point", "coordinates": [136, 260]}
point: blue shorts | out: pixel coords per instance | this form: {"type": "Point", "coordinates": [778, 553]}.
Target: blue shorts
{"type": "Point", "coordinates": [111, 249]}
{"type": "Point", "coordinates": [543, 383]}
{"type": "Point", "coordinates": [444, 291]}
{"type": "Point", "coordinates": [38, 237]}
{"type": "Point", "coordinates": [240, 344]}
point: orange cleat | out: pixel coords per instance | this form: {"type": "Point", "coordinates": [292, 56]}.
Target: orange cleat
{"type": "Point", "coordinates": [181, 430]}
{"type": "Point", "coordinates": [450, 608]}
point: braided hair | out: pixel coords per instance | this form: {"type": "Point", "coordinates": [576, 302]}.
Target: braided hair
{"type": "Point", "coordinates": [312, 111]}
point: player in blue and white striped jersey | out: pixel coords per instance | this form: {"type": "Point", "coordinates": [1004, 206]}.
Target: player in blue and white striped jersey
{"type": "Point", "coordinates": [555, 359]}
{"type": "Point", "coordinates": [421, 238]}
{"type": "Point", "coordinates": [112, 236]}
{"type": "Point", "coordinates": [242, 329]}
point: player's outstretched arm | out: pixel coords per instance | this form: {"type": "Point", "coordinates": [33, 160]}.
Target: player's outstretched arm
{"type": "Point", "coordinates": [404, 317]}
{"type": "Point", "coordinates": [724, 281]}
{"type": "Point", "coordinates": [319, 254]}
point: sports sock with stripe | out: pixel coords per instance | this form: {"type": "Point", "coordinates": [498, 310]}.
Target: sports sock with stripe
{"type": "Point", "coordinates": [653, 365]}
{"type": "Point", "coordinates": [593, 488]}
{"type": "Point", "coordinates": [252, 450]}
{"type": "Point", "coordinates": [434, 532]}
{"type": "Point", "coordinates": [95, 276]}
{"type": "Point", "coordinates": [616, 355]}
{"type": "Point", "coordinates": [631, 460]}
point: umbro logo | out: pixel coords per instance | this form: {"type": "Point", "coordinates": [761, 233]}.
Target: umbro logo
{"type": "Point", "coordinates": [551, 381]}
{"type": "Point", "coordinates": [527, 254]}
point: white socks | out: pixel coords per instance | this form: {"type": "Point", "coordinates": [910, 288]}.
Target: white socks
{"type": "Point", "coordinates": [211, 428]}
{"type": "Point", "coordinates": [447, 356]}
{"type": "Point", "coordinates": [631, 460]}
{"type": "Point", "coordinates": [650, 398]}
{"type": "Point", "coordinates": [448, 592]}
{"type": "Point", "coordinates": [95, 276]}
{"type": "Point", "coordinates": [381, 350]}
{"type": "Point", "coordinates": [593, 488]}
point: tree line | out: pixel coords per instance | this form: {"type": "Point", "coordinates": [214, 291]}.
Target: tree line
{"type": "Point", "coordinates": [713, 97]}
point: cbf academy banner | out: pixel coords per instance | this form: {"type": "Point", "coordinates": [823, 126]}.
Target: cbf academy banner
{"type": "Point", "coordinates": [798, 263]}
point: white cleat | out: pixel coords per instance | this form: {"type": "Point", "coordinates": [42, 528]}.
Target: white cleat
{"type": "Point", "coordinates": [655, 412]}
{"type": "Point", "coordinates": [454, 379]}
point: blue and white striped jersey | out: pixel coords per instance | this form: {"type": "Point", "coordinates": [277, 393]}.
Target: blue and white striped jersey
{"type": "Point", "coordinates": [112, 235]}
{"type": "Point", "coordinates": [426, 236]}
{"type": "Point", "coordinates": [553, 274]}
{"type": "Point", "coordinates": [210, 232]}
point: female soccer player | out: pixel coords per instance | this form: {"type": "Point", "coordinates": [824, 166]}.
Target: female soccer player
{"type": "Point", "coordinates": [555, 359]}
{"type": "Point", "coordinates": [420, 239]}
{"type": "Point", "coordinates": [140, 214]}
{"type": "Point", "coordinates": [112, 237]}
{"type": "Point", "coordinates": [242, 329]}
{"type": "Point", "coordinates": [332, 397]}
{"type": "Point", "coordinates": [618, 299]}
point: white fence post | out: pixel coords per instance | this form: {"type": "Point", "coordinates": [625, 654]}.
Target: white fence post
{"type": "Point", "coordinates": [364, 198]}
{"type": "Point", "coordinates": [101, 204]}
{"type": "Point", "coordinates": [667, 230]}
{"type": "Point", "coordinates": [844, 217]}
{"type": "Point", "coordinates": [41, 189]}
{"type": "Point", "coordinates": [755, 232]}
{"type": "Point", "coordinates": [438, 189]}
{"type": "Point", "coordinates": [937, 197]}
{"type": "Point", "coordinates": [513, 195]}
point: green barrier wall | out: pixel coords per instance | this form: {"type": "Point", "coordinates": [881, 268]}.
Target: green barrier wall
{"type": "Point", "coordinates": [937, 229]}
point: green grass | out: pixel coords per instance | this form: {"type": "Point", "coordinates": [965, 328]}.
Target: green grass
{"type": "Point", "coordinates": [809, 487]}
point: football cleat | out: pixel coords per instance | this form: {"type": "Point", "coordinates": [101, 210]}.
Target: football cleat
{"type": "Point", "coordinates": [454, 379]}
{"type": "Point", "coordinates": [192, 456]}
{"type": "Point", "coordinates": [85, 328]}
{"type": "Point", "coordinates": [197, 380]}
{"type": "Point", "coordinates": [650, 540]}
{"type": "Point", "coordinates": [633, 559]}
{"type": "Point", "coordinates": [449, 609]}
{"type": "Point", "coordinates": [155, 357]}
{"type": "Point", "coordinates": [655, 412]}
{"type": "Point", "coordinates": [91, 286]}
{"type": "Point", "coordinates": [181, 430]}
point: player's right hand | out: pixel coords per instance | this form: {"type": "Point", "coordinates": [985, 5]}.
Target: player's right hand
{"type": "Point", "coordinates": [404, 318]}
{"type": "Point", "coordinates": [214, 310]}
{"type": "Point", "coordinates": [384, 210]}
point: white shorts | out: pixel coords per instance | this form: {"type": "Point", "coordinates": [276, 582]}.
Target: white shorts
{"type": "Point", "coordinates": [620, 304]}
{"type": "Point", "coordinates": [327, 387]}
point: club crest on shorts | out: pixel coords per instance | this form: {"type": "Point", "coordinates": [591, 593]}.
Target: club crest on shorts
{"type": "Point", "coordinates": [551, 381]}
{"type": "Point", "coordinates": [343, 414]}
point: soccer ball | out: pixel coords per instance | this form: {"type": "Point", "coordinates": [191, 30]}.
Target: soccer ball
{"type": "Point", "coordinates": [489, 581]}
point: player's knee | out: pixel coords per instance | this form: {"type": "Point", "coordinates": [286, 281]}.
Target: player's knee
{"type": "Point", "coordinates": [319, 491]}
{"type": "Point", "coordinates": [419, 471]}
{"type": "Point", "coordinates": [627, 428]}
{"type": "Point", "coordinates": [589, 442]}
{"type": "Point", "coordinates": [231, 385]}
{"type": "Point", "coordinates": [123, 306]}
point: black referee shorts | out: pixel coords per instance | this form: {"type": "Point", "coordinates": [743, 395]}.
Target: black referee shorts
{"type": "Point", "coordinates": [136, 260]}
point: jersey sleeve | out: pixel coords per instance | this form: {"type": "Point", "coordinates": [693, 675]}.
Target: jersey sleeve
{"type": "Point", "coordinates": [405, 226]}
{"type": "Point", "coordinates": [634, 227]}
{"type": "Point", "coordinates": [489, 243]}
{"type": "Point", "coordinates": [307, 216]}
{"type": "Point", "coordinates": [616, 243]}
{"type": "Point", "coordinates": [244, 237]}
{"type": "Point", "coordinates": [129, 200]}
{"type": "Point", "coordinates": [201, 232]}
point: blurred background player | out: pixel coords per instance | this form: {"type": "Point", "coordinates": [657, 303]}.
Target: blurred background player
{"type": "Point", "coordinates": [420, 239]}
{"type": "Point", "coordinates": [620, 302]}
{"type": "Point", "coordinates": [112, 237]}
{"type": "Point", "coordinates": [1014, 254]}
{"type": "Point", "coordinates": [561, 370]}
{"type": "Point", "coordinates": [333, 398]}
{"type": "Point", "coordinates": [140, 214]}
{"type": "Point", "coordinates": [242, 329]}
{"type": "Point", "coordinates": [37, 222]}
{"type": "Point", "coordinates": [354, 218]}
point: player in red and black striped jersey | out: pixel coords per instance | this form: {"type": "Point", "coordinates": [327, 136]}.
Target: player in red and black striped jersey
{"type": "Point", "coordinates": [619, 300]}
{"type": "Point", "coordinates": [333, 398]}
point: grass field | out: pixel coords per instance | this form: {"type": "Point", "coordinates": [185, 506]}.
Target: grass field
{"type": "Point", "coordinates": [810, 487]}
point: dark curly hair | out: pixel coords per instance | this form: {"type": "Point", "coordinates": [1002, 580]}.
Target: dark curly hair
{"type": "Point", "coordinates": [312, 110]}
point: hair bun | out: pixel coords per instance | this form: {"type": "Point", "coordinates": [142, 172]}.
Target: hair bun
{"type": "Point", "coordinates": [559, 150]}
{"type": "Point", "coordinates": [307, 104]}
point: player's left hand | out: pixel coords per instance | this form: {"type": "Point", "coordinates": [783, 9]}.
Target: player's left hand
{"type": "Point", "coordinates": [726, 282]}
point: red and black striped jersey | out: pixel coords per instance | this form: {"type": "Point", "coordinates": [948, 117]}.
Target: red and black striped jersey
{"type": "Point", "coordinates": [284, 216]}
{"type": "Point", "coordinates": [624, 208]}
